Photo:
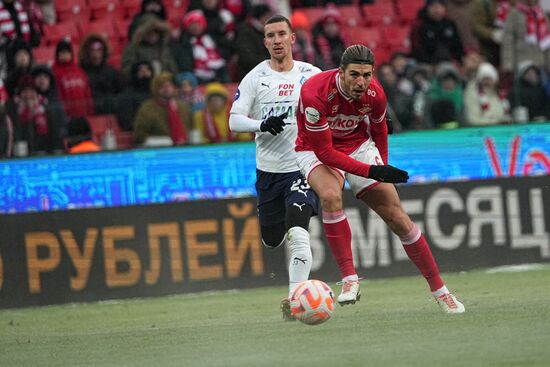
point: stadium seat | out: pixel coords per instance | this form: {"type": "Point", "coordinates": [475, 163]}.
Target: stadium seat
{"type": "Point", "coordinates": [408, 10]}
{"type": "Point", "coordinates": [104, 27]}
{"type": "Point", "coordinates": [73, 10]}
{"type": "Point", "coordinates": [44, 55]}
{"type": "Point", "coordinates": [370, 37]}
{"type": "Point", "coordinates": [379, 13]}
{"type": "Point", "coordinates": [124, 140]}
{"type": "Point", "coordinates": [131, 7]}
{"type": "Point", "coordinates": [351, 16]}
{"type": "Point", "coordinates": [313, 13]}
{"type": "Point", "coordinates": [175, 10]}
{"type": "Point", "coordinates": [56, 32]}
{"type": "Point", "coordinates": [107, 8]}
{"type": "Point", "coordinates": [397, 38]}
{"type": "Point", "coordinates": [99, 125]}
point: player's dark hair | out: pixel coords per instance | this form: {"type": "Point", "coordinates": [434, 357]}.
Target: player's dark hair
{"type": "Point", "coordinates": [357, 54]}
{"type": "Point", "coordinates": [279, 18]}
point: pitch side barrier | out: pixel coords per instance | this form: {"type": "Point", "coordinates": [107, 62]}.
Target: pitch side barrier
{"type": "Point", "coordinates": [140, 251]}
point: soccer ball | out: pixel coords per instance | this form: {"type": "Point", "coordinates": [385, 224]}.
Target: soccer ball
{"type": "Point", "coordinates": [312, 302]}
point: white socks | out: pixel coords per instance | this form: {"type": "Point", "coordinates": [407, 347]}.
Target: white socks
{"type": "Point", "coordinates": [300, 257]}
{"type": "Point", "coordinates": [441, 291]}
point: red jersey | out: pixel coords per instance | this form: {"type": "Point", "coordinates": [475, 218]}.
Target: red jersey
{"type": "Point", "coordinates": [331, 123]}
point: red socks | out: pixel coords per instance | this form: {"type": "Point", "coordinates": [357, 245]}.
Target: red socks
{"type": "Point", "coordinates": [417, 249]}
{"type": "Point", "coordinates": [338, 234]}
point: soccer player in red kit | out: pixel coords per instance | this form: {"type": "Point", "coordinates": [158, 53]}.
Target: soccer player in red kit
{"type": "Point", "coordinates": [342, 135]}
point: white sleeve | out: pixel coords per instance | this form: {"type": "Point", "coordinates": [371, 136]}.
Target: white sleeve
{"type": "Point", "coordinates": [243, 124]}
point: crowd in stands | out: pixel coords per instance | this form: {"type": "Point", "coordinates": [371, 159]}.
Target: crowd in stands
{"type": "Point", "coordinates": [76, 72]}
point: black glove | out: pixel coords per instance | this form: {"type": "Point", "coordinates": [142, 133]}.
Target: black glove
{"type": "Point", "coordinates": [274, 124]}
{"type": "Point", "coordinates": [388, 174]}
{"type": "Point", "coordinates": [389, 124]}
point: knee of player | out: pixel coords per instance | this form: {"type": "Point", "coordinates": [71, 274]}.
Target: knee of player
{"type": "Point", "coordinates": [331, 198]}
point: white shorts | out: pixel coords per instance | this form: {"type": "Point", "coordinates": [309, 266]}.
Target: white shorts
{"type": "Point", "coordinates": [367, 153]}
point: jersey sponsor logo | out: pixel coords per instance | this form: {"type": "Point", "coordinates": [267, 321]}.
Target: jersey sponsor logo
{"type": "Point", "coordinates": [312, 115]}
{"type": "Point", "coordinates": [277, 110]}
{"type": "Point", "coordinates": [343, 122]}
{"type": "Point", "coordinates": [237, 94]}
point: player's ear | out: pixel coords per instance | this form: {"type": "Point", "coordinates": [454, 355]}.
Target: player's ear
{"type": "Point", "coordinates": [292, 38]}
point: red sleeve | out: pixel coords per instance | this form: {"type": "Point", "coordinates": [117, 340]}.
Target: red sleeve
{"type": "Point", "coordinates": [378, 125]}
{"type": "Point", "coordinates": [319, 135]}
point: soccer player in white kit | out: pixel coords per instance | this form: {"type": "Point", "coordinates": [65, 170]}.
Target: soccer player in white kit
{"type": "Point", "coordinates": [265, 103]}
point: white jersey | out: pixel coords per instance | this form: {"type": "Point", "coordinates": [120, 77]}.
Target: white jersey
{"type": "Point", "coordinates": [264, 92]}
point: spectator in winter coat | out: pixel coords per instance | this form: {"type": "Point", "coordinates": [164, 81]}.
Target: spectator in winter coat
{"type": "Point", "coordinates": [44, 83]}
{"type": "Point", "coordinates": [482, 103]}
{"type": "Point", "coordinates": [19, 65]}
{"type": "Point", "coordinates": [163, 114]}
{"type": "Point", "coordinates": [213, 120]}
{"type": "Point", "coordinates": [487, 29]}
{"type": "Point", "coordinates": [526, 35]}
{"type": "Point", "coordinates": [150, 43]}
{"type": "Point", "coordinates": [148, 7]}
{"type": "Point", "coordinates": [529, 91]}
{"type": "Point", "coordinates": [434, 37]}
{"type": "Point", "coordinates": [249, 40]}
{"type": "Point", "coordinates": [105, 80]}
{"type": "Point", "coordinates": [71, 82]}
{"type": "Point", "coordinates": [189, 92]}
{"type": "Point", "coordinates": [220, 24]}
{"type": "Point", "coordinates": [7, 135]}
{"type": "Point", "coordinates": [28, 113]}
{"type": "Point", "coordinates": [80, 139]}
{"type": "Point", "coordinates": [445, 97]}
{"type": "Point", "coordinates": [207, 63]}
{"type": "Point", "coordinates": [14, 25]}
{"type": "Point", "coordinates": [327, 41]}
{"type": "Point", "coordinates": [134, 94]}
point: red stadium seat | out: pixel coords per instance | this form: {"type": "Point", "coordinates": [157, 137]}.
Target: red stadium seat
{"type": "Point", "coordinates": [370, 37]}
{"type": "Point", "coordinates": [73, 10]}
{"type": "Point", "coordinates": [382, 13]}
{"type": "Point", "coordinates": [107, 9]}
{"type": "Point", "coordinates": [44, 55]}
{"type": "Point", "coordinates": [104, 27]}
{"type": "Point", "coordinates": [124, 140]}
{"type": "Point", "coordinates": [56, 32]}
{"type": "Point", "coordinates": [99, 125]}
{"type": "Point", "coordinates": [408, 10]}
{"type": "Point", "coordinates": [313, 13]}
{"type": "Point", "coordinates": [397, 38]}
{"type": "Point", "coordinates": [175, 10]}
{"type": "Point", "coordinates": [351, 16]}
{"type": "Point", "coordinates": [131, 7]}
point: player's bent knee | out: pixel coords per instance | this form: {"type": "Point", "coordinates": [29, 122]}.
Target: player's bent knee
{"type": "Point", "coordinates": [273, 236]}
{"type": "Point", "coordinates": [298, 215]}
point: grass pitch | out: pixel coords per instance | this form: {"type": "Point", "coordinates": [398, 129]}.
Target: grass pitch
{"type": "Point", "coordinates": [507, 323]}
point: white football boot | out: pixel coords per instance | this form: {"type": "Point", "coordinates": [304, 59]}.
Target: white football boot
{"type": "Point", "coordinates": [449, 304]}
{"type": "Point", "coordinates": [350, 293]}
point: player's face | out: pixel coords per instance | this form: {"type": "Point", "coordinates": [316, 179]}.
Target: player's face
{"type": "Point", "coordinates": [355, 79]}
{"type": "Point", "coordinates": [278, 40]}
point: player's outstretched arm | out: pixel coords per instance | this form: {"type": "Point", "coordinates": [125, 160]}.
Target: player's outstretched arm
{"type": "Point", "coordinates": [322, 145]}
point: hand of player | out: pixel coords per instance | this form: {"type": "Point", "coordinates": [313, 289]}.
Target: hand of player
{"type": "Point", "coordinates": [388, 174]}
{"type": "Point", "coordinates": [274, 124]}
